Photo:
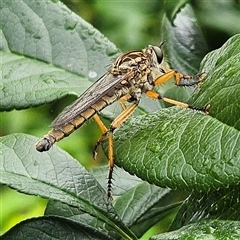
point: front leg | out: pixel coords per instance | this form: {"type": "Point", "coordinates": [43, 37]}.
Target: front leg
{"type": "Point", "coordinates": [180, 79]}
{"type": "Point", "coordinates": [155, 95]}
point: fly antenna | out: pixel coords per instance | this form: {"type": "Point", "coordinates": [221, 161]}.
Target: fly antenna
{"type": "Point", "coordinates": [161, 43]}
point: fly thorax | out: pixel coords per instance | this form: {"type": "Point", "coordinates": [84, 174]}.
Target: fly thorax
{"type": "Point", "coordinates": [127, 66]}
{"type": "Point", "coordinates": [147, 86]}
{"type": "Point", "coordinates": [154, 74]}
{"type": "Point", "coordinates": [136, 93]}
{"type": "Point", "coordinates": [120, 92]}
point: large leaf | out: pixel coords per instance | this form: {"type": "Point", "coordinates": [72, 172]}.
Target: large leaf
{"type": "Point", "coordinates": [171, 8]}
{"type": "Point", "coordinates": [40, 43]}
{"type": "Point", "coordinates": [222, 86]}
{"type": "Point", "coordinates": [185, 45]}
{"type": "Point", "coordinates": [186, 149]}
{"type": "Point", "coordinates": [179, 148]}
{"type": "Point", "coordinates": [28, 82]}
{"type": "Point", "coordinates": [55, 175]}
{"type": "Point", "coordinates": [222, 204]}
{"type": "Point", "coordinates": [204, 230]}
{"type": "Point", "coordinates": [51, 228]}
{"type": "Point", "coordinates": [137, 198]}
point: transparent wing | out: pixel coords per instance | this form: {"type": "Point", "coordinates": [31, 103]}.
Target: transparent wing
{"type": "Point", "coordinates": [98, 89]}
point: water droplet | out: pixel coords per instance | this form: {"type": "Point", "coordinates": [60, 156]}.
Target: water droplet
{"type": "Point", "coordinates": [35, 163]}
{"type": "Point", "coordinates": [111, 50]}
{"type": "Point", "coordinates": [37, 35]}
{"type": "Point", "coordinates": [70, 24]}
{"type": "Point", "coordinates": [70, 66]}
{"type": "Point", "coordinates": [91, 31]}
{"type": "Point", "coordinates": [48, 79]}
{"type": "Point", "coordinates": [92, 74]}
{"type": "Point", "coordinates": [154, 148]}
{"type": "Point", "coordinates": [84, 34]}
{"type": "Point", "coordinates": [5, 90]}
{"type": "Point", "coordinates": [206, 162]}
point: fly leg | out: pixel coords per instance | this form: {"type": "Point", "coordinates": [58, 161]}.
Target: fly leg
{"type": "Point", "coordinates": [122, 117]}
{"type": "Point", "coordinates": [155, 95]}
{"type": "Point", "coordinates": [115, 124]}
{"type": "Point", "coordinates": [103, 128]}
{"type": "Point", "coordinates": [191, 80]}
{"type": "Point", "coordinates": [179, 77]}
{"type": "Point", "coordinates": [104, 134]}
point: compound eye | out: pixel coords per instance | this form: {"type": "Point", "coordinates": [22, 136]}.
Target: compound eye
{"type": "Point", "coordinates": [158, 53]}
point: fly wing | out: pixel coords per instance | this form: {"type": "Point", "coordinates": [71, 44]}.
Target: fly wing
{"type": "Point", "coordinates": [98, 89]}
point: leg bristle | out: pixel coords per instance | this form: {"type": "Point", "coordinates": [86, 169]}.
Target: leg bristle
{"type": "Point", "coordinates": [109, 186]}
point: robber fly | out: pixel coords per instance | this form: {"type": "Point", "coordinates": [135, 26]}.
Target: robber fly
{"type": "Point", "coordinates": [132, 74]}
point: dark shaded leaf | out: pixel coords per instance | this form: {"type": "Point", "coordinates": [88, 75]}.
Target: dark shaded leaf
{"type": "Point", "coordinates": [185, 46]}
{"type": "Point", "coordinates": [171, 8]}
{"type": "Point", "coordinates": [145, 205]}
{"type": "Point", "coordinates": [52, 228]}
{"type": "Point", "coordinates": [56, 208]}
{"type": "Point", "coordinates": [139, 207]}
{"type": "Point", "coordinates": [222, 204]}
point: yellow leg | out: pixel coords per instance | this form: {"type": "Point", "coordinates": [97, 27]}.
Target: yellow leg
{"type": "Point", "coordinates": [100, 123]}
{"type": "Point", "coordinates": [123, 116]}
{"type": "Point", "coordinates": [178, 76]}
{"type": "Point", "coordinates": [110, 164]}
{"type": "Point", "coordinates": [123, 99]}
{"type": "Point", "coordinates": [115, 124]}
{"type": "Point", "coordinates": [104, 134]}
{"type": "Point", "coordinates": [155, 95]}
{"type": "Point", "coordinates": [165, 77]}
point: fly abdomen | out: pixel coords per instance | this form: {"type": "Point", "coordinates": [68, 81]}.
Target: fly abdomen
{"type": "Point", "coordinates": [46, 142]}
{"type": "Point", "coordinates": [61, 131]}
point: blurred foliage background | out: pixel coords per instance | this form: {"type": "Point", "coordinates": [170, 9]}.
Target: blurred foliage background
{"type": "Point", "coordinates": [129, 25]}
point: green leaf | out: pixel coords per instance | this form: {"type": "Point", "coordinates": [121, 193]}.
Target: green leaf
{"type": "Point", "coordinates": [28, 171]}
{"type": "Point", "coordinates": [52, 228]}
{"type": "Point", "coordinates": [185, 45]}
{"type": "Point", "coordinates": [171, 8]}
{"type": "Point", "coordinates": [51, 42]}
{"type": "Point", "coordinates": [76, 215]}
{"type": "Point", "coordinates": [221, 87]}
{"type": "Point", "coordinates": [222, 204]}
{"type": "Point", "coordinates": [145, 205]}
{"type": "Point", "coordinates": [204, 230]}
{"type": "Point", "coordinates": [125, 181]}
{"type": "Point", "coordinates": [143, 197]}
{"type": "Point", "coordinates": [179, 148]}
{"type": "Point", "coordinates": [28, 82]}
{"type": "Point", "coordinates": [139, 207]}
{"type": "Point", "coordinates": [55, 175]}
{"type": "Point", "coordinates": [183, 148]}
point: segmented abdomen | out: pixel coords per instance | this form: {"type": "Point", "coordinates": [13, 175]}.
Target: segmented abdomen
{"type": "Point", "coordinates": [60, 132]}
